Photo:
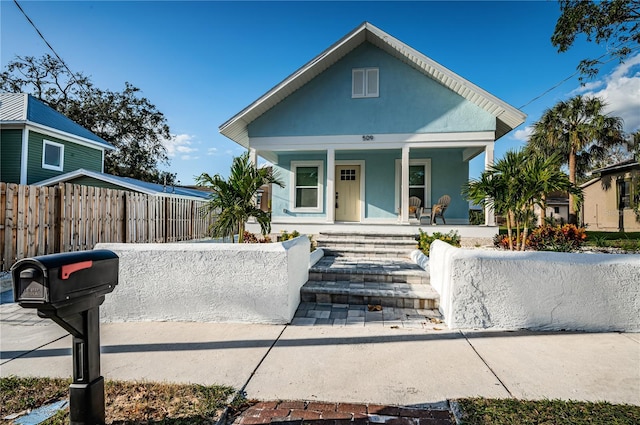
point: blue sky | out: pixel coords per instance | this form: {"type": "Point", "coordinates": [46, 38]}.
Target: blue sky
{"type": "Point", "coordinates": [202, 62]}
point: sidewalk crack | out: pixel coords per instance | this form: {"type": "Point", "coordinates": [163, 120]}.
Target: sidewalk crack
{"type": "Point", "coordinates": [487, 364]}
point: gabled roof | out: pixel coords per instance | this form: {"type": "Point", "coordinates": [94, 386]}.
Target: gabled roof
{"type": "Point", "coordinates": [22, 108]}
{"type": "Point", "coordinates": [507, 117]}
{"type": "Point", "coordinates": [128, 183]}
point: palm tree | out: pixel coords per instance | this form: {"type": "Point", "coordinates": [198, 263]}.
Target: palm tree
{"type": "Point", "coordinates": [514, 184]}
{"type": "Point", "coordinates": [233, 199]}
{"type": "Point", "coordinates": [579, 131]}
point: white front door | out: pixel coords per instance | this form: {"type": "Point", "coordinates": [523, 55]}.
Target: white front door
{"type": "Point", "coordinates": [347, 202]}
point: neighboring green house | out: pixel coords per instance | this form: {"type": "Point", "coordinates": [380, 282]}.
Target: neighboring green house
{"type": "Point", "coordinates": [37, 142]}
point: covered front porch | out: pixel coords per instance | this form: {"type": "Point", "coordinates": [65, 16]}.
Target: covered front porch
{"type": "Point", "coordinates": [373, 183]}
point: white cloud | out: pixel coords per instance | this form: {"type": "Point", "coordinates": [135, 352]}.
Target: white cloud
{"type": "Point", "coordinates": [523, 135]}
{"type": "Point", "coordinates": [189, 157]}
{"type": "Point", "coordinates": [621, 90]}
{"type": "Point", "coordinates": [212, 151]}
{"type": "Point", "coordinates": [180, 143]}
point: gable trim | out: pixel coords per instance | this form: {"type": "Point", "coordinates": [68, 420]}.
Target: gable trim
{"type": "Point", "coordinates": [48, 131]}
{"type": "Point", "coordinates": [507, 116]}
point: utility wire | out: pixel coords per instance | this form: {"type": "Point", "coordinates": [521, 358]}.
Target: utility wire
{"type": "Point", "coordinates": [568, 78]}
{"type": "Point", "coordinates": [46, 42]}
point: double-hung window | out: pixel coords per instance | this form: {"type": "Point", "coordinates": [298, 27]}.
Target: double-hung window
{"type": "Point", "coordinates": [307, 188]}
{"type": "Point", "coordinates": [624, 194]}
{"type": "Point", "coordinates": [52, 155]}
{"type": "Point", "coordinates": [365, 82]}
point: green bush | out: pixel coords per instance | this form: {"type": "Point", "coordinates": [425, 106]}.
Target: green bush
{"type": "Point", "coordinates": [285, 236]}
{"type": "Point", "coordinates": [425, 240]}
{"type": "Point", "coordinates": [476, 217]}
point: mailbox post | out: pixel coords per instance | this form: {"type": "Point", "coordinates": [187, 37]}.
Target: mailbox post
{"type": "Point", "coordinates": [69, 289]}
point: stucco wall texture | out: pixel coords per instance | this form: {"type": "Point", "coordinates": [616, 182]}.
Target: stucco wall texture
{"type": "Point", "coordinates": [251, 283]}
{"type": "Point", "coordinates": [536, 290]}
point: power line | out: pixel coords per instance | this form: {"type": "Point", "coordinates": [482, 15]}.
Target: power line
{"type": "Point", "coordinates": [46, 42]}
{"type": "Point", "coordinates": [568, 78]}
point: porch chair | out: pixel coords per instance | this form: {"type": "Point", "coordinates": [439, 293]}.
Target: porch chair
{"type": "Point", "coordinates": [414, 206]}
{"type": "Point", "coordinates": [439, 208]}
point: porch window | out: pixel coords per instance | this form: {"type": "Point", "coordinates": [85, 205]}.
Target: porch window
{"type": "Point", "coordinates": [52, 155]}
{"type": "Point", "coordinates": [365, 82]}
{"type": "Point", "coordinates": [417, 183]}
{"type": "Point", "coordinates": [307, 188]}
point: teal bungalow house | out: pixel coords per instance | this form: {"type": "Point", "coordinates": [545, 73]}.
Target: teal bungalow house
{"type": "Point", "coordinates": [365, 126]}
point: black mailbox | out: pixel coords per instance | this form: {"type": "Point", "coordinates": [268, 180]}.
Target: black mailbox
{"type": "Point", "coordinates": [61, 279]}
{"type": "Point", "coordinates": [69, 289]}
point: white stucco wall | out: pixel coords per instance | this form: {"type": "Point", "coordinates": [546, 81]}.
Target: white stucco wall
{"type": "Point", "coordinates": [208, 282]}
{"type": "Point", "coordinates": [536, 290]}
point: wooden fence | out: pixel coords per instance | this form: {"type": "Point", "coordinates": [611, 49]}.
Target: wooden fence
{"type": "Point", "coordinates": [44, 220]}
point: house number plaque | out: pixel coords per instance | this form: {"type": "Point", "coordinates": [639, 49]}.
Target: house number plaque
{"type": "Point", "coordinates": [367, 137]}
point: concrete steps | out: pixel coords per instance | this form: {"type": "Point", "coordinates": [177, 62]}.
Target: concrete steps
{"type": "Point", "coordinates": [363, 245]}
{"type": "Point", "coordinates": [390, 282]}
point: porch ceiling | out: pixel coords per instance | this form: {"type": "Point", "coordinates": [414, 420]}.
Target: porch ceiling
{"type": "Point", "coordinates": [507, 117]}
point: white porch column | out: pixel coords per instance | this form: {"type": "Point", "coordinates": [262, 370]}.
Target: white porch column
{"type": "Point", "coordinates": [404, 205]}
{"type": "Point", "coordinates": [253, 157]}
{"type": "Point", "coordinates": [489, 213]}
{"type": "Point", "coordinates": [330, 200]}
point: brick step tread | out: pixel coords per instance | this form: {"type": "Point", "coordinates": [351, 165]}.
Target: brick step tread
{"type": "Point", "coordinates": [358, 239]}
{"type": "Point", "coordinates": [394, 236]}
{"type": "Point", "coordinates": [376, 243]}
{"type": "Point", "coordinates": [346, 271]}
{"type": "Point", "coordinates": [372, 289]}
{"type": "Point", "coordinates": [367, 250]}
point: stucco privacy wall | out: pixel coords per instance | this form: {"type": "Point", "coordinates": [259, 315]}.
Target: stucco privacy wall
{"type": "Point", "coordinates": [536, 290]}
{"type": "Point", "coordinates": [208, 282]}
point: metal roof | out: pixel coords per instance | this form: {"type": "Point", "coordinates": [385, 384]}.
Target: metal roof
{"type": "Point", "coordinates": [129, 183]}
{"type": "Point", "coordinates": [507, 117]}
{"type": "Point", "coordinates": [22, 108]}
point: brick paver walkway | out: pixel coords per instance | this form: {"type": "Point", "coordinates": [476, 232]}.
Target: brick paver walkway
{"type": "Point", "coordinates": [317, 413]}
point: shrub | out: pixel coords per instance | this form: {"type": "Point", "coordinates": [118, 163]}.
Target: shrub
{"type": "Point", "coordinates": [565, 238]}
{"type": "Point", "coordinates": [502, 241]}
{"type": "Point", "coordinates": [476, 217]}
{"type": "Point", "coordinates": [285, 236]}
{"type": "Point", "coordinates": [251, 238]}
{"type": "Point", "coordinates": [425, 240]}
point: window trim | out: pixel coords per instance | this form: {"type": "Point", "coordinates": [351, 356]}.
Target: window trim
{"type": "Point", "coordinates": [292, 192]}
{"type": "Point", "coordinates": [366, 93]}
{"type": "Point", "coordinates": [624, 196]}
{"type": "Point", "coordinates": [426, 162]}
{"type": "Point", "coordinates": [46, 166]}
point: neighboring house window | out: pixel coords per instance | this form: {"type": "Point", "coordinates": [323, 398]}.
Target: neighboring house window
{"type": "Point", "coordinates": [556, 210]}
{"type": "Point", "coordinates": [365, 82]}
{"type": "Point", "coordinates": [624, 194]}
{"type": "Point", "coordinates": [52, 155]}
{"type": "Point", "coordinates": [307, 187]}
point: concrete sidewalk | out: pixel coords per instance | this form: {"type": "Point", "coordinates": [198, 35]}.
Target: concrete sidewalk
{"type": "Point", "coordinates": [373, 364]}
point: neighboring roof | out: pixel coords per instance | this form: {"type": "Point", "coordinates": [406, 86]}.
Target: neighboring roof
{"type": "Point", "coordinates": [507, 117]}
{"type": "Point", "coordinates": [128, 183]}
{"type": "Point", "coordinates": [22, 108]}
{"type": "Point", "coordinates": [620, 166]}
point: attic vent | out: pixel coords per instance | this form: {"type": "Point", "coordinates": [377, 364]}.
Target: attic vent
{"type": "Point", "coordinates": [365, 82]}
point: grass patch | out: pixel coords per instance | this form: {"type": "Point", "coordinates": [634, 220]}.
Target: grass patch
{"type": "Point", "coordinates": [627, 241]}
{"type": "Point", "coordinates": [125, 402]}
{"type": "Point", "coordinates": [481, 411]}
